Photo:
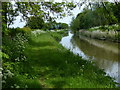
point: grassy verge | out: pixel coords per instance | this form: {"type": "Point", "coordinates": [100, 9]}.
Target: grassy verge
{"type": "Point", "coordinates": [106, 27]}
{"type": "Point", "coordinates": [49, 65]}
{"type": "Point", "coordinates": [57, 67]}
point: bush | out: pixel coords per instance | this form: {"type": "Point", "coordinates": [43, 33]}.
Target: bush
{"type": "Point", "coordinates": [35, 22]}
{"type": "Point", "coordinates": [14, 44]}
{"type": "Point", "coordinates": [14, 31]}
{"type": "Point", "coordinates": [4, 29]}
{"type": "Point", "coordinates": [25, 29]}
{"type": "Point", "coordinates": [15, 47]}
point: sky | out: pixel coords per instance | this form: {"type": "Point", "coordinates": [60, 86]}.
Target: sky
{"type": "Point", "coordinates": [67, 19]}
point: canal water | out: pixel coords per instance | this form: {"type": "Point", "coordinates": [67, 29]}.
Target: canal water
{"type": "Point", "coordinates": [105, 54]}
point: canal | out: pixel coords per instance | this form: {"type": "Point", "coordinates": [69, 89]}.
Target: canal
{"type": "Point", "coordinates": [105, 54]}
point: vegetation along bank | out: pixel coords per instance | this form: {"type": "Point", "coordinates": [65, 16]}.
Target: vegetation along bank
{"type": "Point", "coordinates": [100, 21]}
{"type": "Point", "coordinates": [39, 61]}
{"type": "Point", "coordinates": [36, 59]}
{"type": "Point", "coordinates": [102, 33]}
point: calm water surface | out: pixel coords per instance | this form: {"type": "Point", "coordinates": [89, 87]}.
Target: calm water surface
{"type": "Point", "coordinates": [105, 54]}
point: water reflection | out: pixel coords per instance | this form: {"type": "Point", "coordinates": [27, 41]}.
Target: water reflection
{"type": "Point", "coordinates": [105, 54]}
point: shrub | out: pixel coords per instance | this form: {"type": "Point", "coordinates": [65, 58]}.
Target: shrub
{"type": "Point", "coordinates": [35, 22]}
{"type": "Point", "coordinates": [15, 47]}
{"type": "Point", "coordinates": [25, 29]}
{"type": "Point", "coordinates": [14, 44]}
{"type": "Point", "coordinates": [14, 31]}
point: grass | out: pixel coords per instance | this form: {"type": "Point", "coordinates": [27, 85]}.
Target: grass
{"type": "Point", "coordinates": [50, 65]}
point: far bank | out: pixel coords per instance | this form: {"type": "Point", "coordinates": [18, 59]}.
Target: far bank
{"type": "Point", "coordinates": [110, 35]}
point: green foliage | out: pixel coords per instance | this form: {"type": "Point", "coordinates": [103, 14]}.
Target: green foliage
{"type": "Point", "coordinates": [4, 29]}
{"type": "Point", "coordinates": [48, 64]}
{"type": "Point", "coordinates": [13, 31]}
{"type": "Point", "coordinates": [25, 29]}
{"type": "Point", "coordinates": [35, 22]}
{"type": "Point", "coordinates": [115, 27]}
{"type": "Point", "coordinates": [3, 55]}
{"type": "Point", "coordinates": [59, 68]}
{"type": "Point", "coordinates": [58, 35]}
{"type": "Point", "coordinates": [99, 15]}
{"type": "Point", "coordinates": [15, 47]}
{"type": "Point", "coordinates": [54, 26]}
{"type": "Point", "coordinates": [35, 9]}
{"type": "Point", "coordinates": [75, 24]}
{"type": "Point", "coordinates": [63, 26]}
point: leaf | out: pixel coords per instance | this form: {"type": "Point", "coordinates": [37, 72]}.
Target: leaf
{"type": "Point", "coordinates": [3, 55]}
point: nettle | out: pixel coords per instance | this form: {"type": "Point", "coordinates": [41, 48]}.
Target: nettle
{"type": "Point", "coordinates": [13, 51]}
{"type": "Point", "coordinates": [15, 47]}
{"type": "Point", "coordinates": [19, 47]}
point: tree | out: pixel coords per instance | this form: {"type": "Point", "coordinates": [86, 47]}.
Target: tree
{"type": "Point", "coordinates": [99, 14]}
{"type": "Point", "coordinates": [35, 22]}
{"type": "Point", "coordinates": [42, 9]}
{"type": "Point", "coordinates": [8, 13]}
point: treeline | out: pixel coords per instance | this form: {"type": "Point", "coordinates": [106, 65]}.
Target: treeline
{"type": "Point", "coordinates": [98, 14]}
{"type": "Point", "coordinates": [39, 23]}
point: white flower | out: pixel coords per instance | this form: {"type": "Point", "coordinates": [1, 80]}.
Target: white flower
{"type": "Point", "coordinates": [17, 86]}
{"type": "Point", "coordinates": [82, 65]}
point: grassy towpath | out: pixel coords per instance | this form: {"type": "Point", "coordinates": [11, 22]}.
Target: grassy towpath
{"type": "Point", "coordinates": [55, 67]}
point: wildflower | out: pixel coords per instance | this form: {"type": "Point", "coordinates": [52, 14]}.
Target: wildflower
{"type": "Point", "coordinates": [17, 86]}
{"type": "Point", "coordinates": [83, 66]}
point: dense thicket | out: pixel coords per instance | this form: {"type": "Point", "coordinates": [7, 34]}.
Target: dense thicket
{"type": "Point", "coordinates": [98, 14]}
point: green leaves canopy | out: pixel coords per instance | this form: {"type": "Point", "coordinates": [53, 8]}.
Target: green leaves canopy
{"type": "Point", "coordinates": [37, 9]}
{"type": "Point", "coordinates": [99, 14]}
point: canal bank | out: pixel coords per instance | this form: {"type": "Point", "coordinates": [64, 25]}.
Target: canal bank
{"type": "Point", "coordinates": [105, 54]}
{"type": "Point", "coordinates": [110, 35]}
